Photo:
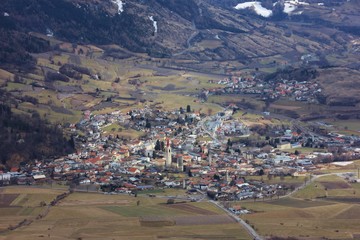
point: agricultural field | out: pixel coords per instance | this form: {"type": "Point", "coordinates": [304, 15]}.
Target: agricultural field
{"type": "Point", "coordinates": [19, 203]}
{"type": "Point", "coordinates": [335, 168]}
{"type": "Point", "coordinates": [306, 150]}
{"type": "Point", "coordinates": [99, 216]}
{"type": "Point", "coordinates": [326, 208]}
{"type": "Point", "coordinates": [117, 130]}
{"type": "Point", "coordinates": [346, 127]}
{"type": "Point", "coordinates": [286, 180]}
{"type": "Point", "coordinates": [245, 100]}
{"type": "Point", "coordinates": [301, 108]}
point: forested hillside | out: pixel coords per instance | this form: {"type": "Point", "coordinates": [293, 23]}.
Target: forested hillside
{"type": "Point", "coordinates": [26, 138]}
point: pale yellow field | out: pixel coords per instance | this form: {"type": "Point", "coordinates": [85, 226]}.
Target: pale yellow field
{"type": "Point", "coordinates": [5, 75]}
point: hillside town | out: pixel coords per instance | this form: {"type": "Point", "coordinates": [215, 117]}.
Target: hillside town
{"type": "Point", "coordinates": [182, 148]}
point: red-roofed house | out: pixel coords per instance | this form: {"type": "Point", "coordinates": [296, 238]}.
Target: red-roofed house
{"type": "Point", "coordinates": [133, 170]}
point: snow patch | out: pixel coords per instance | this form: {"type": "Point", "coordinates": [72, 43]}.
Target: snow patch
{"type": "Point", "coordinates": [296, 2]}
{"type": "Point", "coordinates": [49, 32]}
{"type": "Point", "coordinates": [355, 42]}
{"type": "Point", "coordinates": [258, 8]}
{"type": "Point", "coordinates": [120, 5]}
{"type": "Point", "coordinates": [289, 7]}
{"type": "Point", "coordinates": [154, 23]}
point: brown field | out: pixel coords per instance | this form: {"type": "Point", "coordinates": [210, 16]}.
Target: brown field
{"type": "Point", "coordinates": [203, 220]}
{"type": "Point", "coordinates": [356, 236]}
{"type": "Point", "coordinates": [335, 185]}
{"type": "Point", "coordinates": [284, 107]}
{"type": "Point", "coordinates": [296, 203]}
{"type": "Point", "coordinates": [352, 213]}
{"type": "Point", "coordinates": [191, 209]}
{"type": "Point", "coordinates": [349, 200]}
{"type": "Point", "coordinates": [154, 221]}
{"type": "Point", "coordinates": [82, 199]}
{"type": "Point", "coordinates": [7, 199]}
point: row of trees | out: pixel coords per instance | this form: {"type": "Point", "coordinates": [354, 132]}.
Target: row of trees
{"type": "Point", "coordinates": [299, 74]}
{"type": "Point", "coordinates": [188, 109]}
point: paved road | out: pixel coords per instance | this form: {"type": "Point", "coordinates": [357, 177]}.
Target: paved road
{"type": "Point", "coordinates": [248, 228]}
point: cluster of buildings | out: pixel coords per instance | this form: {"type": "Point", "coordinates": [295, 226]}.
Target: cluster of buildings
{"type": "Point", "coordinates": [180, 149]}
{"type": "Point", "coordinates": [272, 90]}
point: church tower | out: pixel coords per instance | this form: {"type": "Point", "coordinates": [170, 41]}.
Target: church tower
{"type": "Point", "coordinates": [209, 158]}
{"type": "Point", "coordinates": [227, 179]}
{"type": "Point", "coordinates": [168, 159]}
{"type": "Point", "coordinates": [180, 164]}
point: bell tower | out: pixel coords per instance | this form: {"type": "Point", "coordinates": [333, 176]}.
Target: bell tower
{"type": "Point", "coordinates": [168, 158]}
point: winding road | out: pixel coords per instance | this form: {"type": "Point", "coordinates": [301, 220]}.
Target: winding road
{"type": "Point", "coordinates": [188, 42]}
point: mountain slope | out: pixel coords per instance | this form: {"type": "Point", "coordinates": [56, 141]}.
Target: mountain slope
{"type": "Point", "coordinates": [217, 36]}
{"type": "Point", "coordinates": [182, 27]}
